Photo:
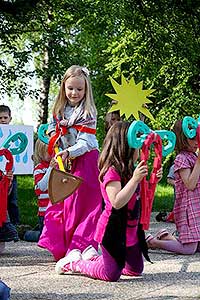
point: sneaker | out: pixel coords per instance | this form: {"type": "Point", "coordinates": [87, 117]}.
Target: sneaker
{"type": "Point", "coordinates": [8, 233]}
{"type": "Point", "coordinates": [161, 217]}
{"type": "Point", "coordinates": [73, 255]}
{"type": "Point", "coordinates": [2, 247]}
{"type": "Point", "coordinates": [21, 229]}
{"type": "Point", "coordinates": [89, 253]}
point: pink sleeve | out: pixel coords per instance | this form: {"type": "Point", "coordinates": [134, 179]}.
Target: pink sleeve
{"type": "Point", "coordinates": [182, 162]}
{"type": "Point", "coordinates": [111, 175]}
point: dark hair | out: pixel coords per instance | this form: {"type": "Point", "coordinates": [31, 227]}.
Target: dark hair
{"type": "Point", "coordinates": [116, 152]}
{"type": "Point", "coordinates": [108, 119]}
{"type": "Point", "coordinates": [5, 108]}
{"type": "Point", "coordinates": [181, 139]}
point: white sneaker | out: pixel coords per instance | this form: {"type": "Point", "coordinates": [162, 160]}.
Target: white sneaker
{"type": "Point", "coordinates": [89, 253]}
{"type": "Point", "coordinates": [2, 247]}
{"type": "Point", "coordinates": [73, 255]}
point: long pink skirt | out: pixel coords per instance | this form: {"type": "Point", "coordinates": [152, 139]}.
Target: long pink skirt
{"type": "Point", "coordinates": [71, 224]}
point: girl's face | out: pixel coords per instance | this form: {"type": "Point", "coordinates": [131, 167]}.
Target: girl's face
{"type": "Point", "coordinates": [75, 90]}
{"type": "Point", "coordinates": [193, 144]}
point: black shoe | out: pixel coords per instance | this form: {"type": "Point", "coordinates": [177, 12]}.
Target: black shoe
{"type": "Point", "coordinates": [8, 233]}
{"type": "Point", "coordinates": [161, 217]}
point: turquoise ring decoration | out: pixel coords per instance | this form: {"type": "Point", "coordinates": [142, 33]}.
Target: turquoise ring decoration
{"type": "Point", "coordinates": [137, 134]}
{"type": "Point", "coordinates": [42, 133]}
{"type": "Point", "coordinates": [170, 138]}
{"type": "Point", "coordinates": [15, 138]}
{"type": "Point", "coordinates": [189, 126]}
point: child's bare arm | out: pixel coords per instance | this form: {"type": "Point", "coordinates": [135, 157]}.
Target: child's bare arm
{"type": "Point", "coordinates": [119, 196]}
{"type": "Point", "coordinates": [190, 177]}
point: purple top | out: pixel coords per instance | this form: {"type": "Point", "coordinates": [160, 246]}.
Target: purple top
{"type": "Point", "coordinates": [187, 203]}
{"type": "Point", "coordinates": [132, 222]}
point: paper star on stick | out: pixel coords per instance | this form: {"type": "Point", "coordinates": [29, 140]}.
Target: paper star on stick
{"type": "Point", "coordinates": [130, 98]}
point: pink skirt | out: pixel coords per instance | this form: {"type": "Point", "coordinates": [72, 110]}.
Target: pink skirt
{"type": "Point", "coordinates": [72, 224]}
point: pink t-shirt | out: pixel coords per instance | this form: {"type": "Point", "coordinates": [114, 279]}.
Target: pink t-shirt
{"type": "Point", "coordinates": [132, 216]}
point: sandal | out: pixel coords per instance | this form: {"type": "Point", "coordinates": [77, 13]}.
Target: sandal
{"type": "Point", "coordinates": [148, 240]}
{"type": "Point", "coordinates": [162, 233]}
{"type": "Point", "coordinates": [149, 237]}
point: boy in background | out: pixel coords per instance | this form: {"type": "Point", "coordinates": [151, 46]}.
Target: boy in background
{"type": "Point", "coordinates": [8, 231]}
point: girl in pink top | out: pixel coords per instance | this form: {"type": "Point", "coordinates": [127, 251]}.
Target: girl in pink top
{"type": "Point", "coordinates": [187, 200]}
{"type": "Point", "coordinates": [118, 231]}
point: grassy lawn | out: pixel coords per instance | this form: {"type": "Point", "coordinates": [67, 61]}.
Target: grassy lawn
{"type": "Point", "coordinates": [164, 198]}
{"type": "Point", "coordinates": [27, 200]}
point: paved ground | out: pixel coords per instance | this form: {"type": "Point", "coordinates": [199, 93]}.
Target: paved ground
{"type": "Point", "coordinates": [29, 272]}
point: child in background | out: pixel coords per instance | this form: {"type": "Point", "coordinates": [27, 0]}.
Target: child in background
{"type": "Point", "coordinates": [111, 118]}
{"type": "Point", "coordinates": [43, 165]}
{"type": "Point", "coordinates": [8, 232]}
{"type": "Point", "coordinates": [71, 224]}
{"type": "Point", "coordinates": [163, 215]}
{"type": "Point", "coordinates": [187, 195]}
{"type": "Point", "coordinates": [118, 231]}
{"type": "Point", "coordinates": [13, 210]}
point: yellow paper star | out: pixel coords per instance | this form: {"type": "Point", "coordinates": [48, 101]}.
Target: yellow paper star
{"type": "Point", "coordinates": [131, 98]}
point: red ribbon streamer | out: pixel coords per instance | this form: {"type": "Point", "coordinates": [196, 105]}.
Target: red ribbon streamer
{"type": "Point", "coordinates": [62, 130]}
{"type": "Point", "coordinates": [148, 187]}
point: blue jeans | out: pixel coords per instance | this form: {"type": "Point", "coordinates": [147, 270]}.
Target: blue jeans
{"type": "Point", "coordinates": [34, 235]}
{"type": "Point", "coordinates": [4, 291]}
{"type": "Point", "coordinates": [13, 209]}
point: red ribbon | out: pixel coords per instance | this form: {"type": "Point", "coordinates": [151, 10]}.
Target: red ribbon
{"type": "Point", "coordinates": [4, 185]}
{"type": "Point", "coordinates": [198, 135]}
{"type": "Point", "coordinates": [62, 130]}
{"type": "Point", "coordinates": [148, 187]}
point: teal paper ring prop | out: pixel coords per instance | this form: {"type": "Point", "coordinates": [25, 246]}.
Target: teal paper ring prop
{"type": "Point", "coordinates": [19, 136]}
{"type": "Point", "coordinates": [189, 126]}
{"type": "Point", "coordinates": [42, 133]}
{"type": "Point", "coordinates": [137, 133]}
{"type": "Point", "coordinates": [168, 136]}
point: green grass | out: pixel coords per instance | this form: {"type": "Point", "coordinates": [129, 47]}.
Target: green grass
{"type": "Point", "coordinates": [27, 200]}
{"type": "Point", "coordinates": [164, 198]}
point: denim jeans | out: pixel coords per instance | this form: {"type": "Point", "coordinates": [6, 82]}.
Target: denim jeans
{"type": "Point", "coordinates": [4, 291]}
{"type": "Point", "coordinates": [34, 235]}
{"type": "Point", "coordinates": [13, 209]}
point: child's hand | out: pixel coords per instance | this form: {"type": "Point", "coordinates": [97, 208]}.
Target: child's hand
{"type": "Point", "coordinates": [159, 174]}
{"type": "Point", "coordinates": [63, 122]}
{"type": "Point", "coordinates": [53, 163]}
{"type": "Point", "coordinates": [64, 154]}
{"type": "Point", "coordinates": [140, 171]}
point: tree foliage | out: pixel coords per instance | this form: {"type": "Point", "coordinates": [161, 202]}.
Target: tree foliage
{"type": "Point", "coordinates": [156, 42]}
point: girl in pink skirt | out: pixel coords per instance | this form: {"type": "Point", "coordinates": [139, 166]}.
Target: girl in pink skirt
{"type": "Point", "coordinates": [71, 224]}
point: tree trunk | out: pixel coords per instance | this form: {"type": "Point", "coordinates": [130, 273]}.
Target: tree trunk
{"type": "Point", "coordinates": [45, 86]}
